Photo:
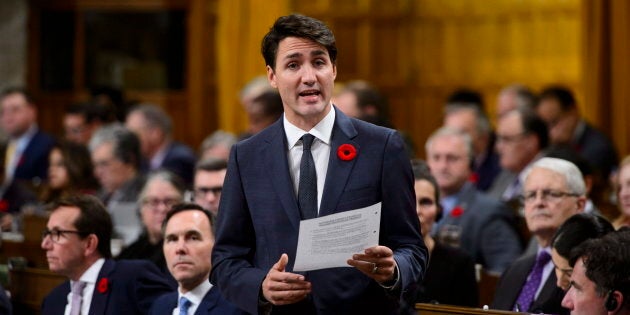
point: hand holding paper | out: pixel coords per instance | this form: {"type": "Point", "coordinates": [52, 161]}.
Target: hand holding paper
{"type": "Point", "coordinates": [280, 287]}
{"type": "Point", "coordinates": [377, 263]}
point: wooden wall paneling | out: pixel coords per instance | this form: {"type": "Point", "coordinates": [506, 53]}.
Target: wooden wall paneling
{"type": "Point", "coordinates": [620, 74]}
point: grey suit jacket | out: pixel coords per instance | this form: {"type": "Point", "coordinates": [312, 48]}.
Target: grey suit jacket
{"type": "Point", "coordinates": [488, 230]}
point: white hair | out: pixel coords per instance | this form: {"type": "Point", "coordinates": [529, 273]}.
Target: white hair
{"type": "Point", "coordinates": [572, 175]}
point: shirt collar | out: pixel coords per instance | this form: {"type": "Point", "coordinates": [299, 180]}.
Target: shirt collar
{"type": "Point", "coordinates": [91, 274]}
{"type": "Point", "coordinates": [196, 295]}
{"type": "Point", "coordinates": [321, 131]}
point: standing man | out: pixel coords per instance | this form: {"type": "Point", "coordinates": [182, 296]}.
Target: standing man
{"type": "Point", "coordinates": [314, 162]}
{"type": "Point", "coordinates": [209, 177]}
{"type": "Point", "coordinates": [77, 244]}
{"type": "Point", "coordinates": [188, 242]}
{"type": "Point", "coordinates": [553, 191]}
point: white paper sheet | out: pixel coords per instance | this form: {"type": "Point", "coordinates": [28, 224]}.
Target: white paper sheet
{"type": "Point", "coordinates": [329, 241]}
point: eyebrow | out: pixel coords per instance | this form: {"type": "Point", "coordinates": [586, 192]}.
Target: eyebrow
{"type": "Point", "coordinates": [575, 285]}
{"type": "Point", "coordinates": [318, 52]}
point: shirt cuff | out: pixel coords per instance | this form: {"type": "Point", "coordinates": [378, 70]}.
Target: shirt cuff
{"type": "Point", "coordinates": [392, 284]}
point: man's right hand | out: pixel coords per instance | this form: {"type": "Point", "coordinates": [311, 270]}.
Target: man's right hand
{"type": "Point", "coordinates": [281, 288]}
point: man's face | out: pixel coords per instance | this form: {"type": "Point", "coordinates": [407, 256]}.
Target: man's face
{"type": "Point", "coordinates": [67, 255]}
{"type": "Point", "coordinates": [16, 114]}
{"type": "Point", "coordinates": [561, 124]}
{"type": "Point", "coordinates": [137, 124]}
{"type": "Point", "coordinates": [188, 243]}
{"type": "Point", "coordinates": [109, 170]}
{"type": "Point", "coordinates": [76, 129]}
{"type": "Point", "coordinates": [545, 215]}
{"type": "Point", "coordinates": [464, 120]}
{"type": "Point", "coordinates": [582, 298]}
{"type": "Point", "coordinates": [513, 145]}
{"type": "Point", "coordinates": [624, 189]}
{"type": "Point", "coordinates": [449, 162]}
{"type": "Point", "coordinates": [347, 103]}
{"type": "Point", "coordinates": [304, 76]}
{"type": "Point", "coordinates": [208, 187]}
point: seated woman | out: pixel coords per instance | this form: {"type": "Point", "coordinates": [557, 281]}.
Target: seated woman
{"type": "Point", "coordinates": [570, 234]}
{"type": "Point", "coordinates": [450, 278]}
{"type": "Point", "coordinates": [161, 191]}
{"type": "Point", "coordinates": [70, 171]}
{"type": "Point", "coordinates": [623, 193]}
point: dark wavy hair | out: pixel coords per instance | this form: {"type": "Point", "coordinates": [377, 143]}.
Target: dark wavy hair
{"type": "Point", "coordinates": [297, 25]}
{"type": "Point", "coordinates": [577, 229]}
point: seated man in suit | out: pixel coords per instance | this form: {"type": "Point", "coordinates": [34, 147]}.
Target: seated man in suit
{"type": "Point", "coordinates": [26, 155]}
{"type": "Point", "coordinates": [209, 177]}
{"type": "Point", "coordinates": [154, 128]}
{"type": "Point", "coordinates": [553, 191]}
{"type": "Point", "coordinates": [485, 225]}
{"type": "Point", "coordinates": [599, 282]}
{"type": "Point", "coordinates": [188, 242]}
{"type": "Point", "coordinates": [77, 244]}
{"type": "Point", "coordinates": [116, 157]}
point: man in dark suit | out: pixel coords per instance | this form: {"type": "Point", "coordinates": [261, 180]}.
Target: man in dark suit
{"type": "Point", "coordinates": [26, 156]}
{"type": "Point", "coordinates": [116, 157]}
{"type": "Point", "coordinates": [485, 226]}
{"type": "Point", "coordinates": [356, 164]}
{"type": "Point", "coordinates": [154, 129]}
{"type": "Point", "coordinates": [188, 242]}
{"type": "Point", "coordinates": [558, 108]}
{"type": "Point", "coordinates": [553, 191]}
{"type": "Point", "coordinates": [77, 244]}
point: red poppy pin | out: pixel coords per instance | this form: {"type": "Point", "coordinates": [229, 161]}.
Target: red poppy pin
{"type": "Point", "coordinates": [474, 178]}
{"type": "Point", "coordinates": [103, 285]}
{"type": "Point", "coordinates": [4, 205]}
{"type": "Point", "coordinates": [346, 152]}
{"type": "Point", "coordinates": [457, 211]}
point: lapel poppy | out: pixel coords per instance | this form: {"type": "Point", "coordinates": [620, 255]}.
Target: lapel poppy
{"type": "Point", "coordinates": [346, 152]}
{"type": "Point", "coordinates": [103, 285]}
{"type": "Point", "coordinates": [457, 212]}
{"type": "Point", "coordinates": [4, 205]}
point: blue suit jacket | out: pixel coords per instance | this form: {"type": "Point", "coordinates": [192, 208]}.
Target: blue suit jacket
{"type": "Point", "coordinates": [180, 160]}
{"type": "Point", "coordinates": [133, 287]}
{"type": "Point", "coordinates": [212, 303]}
{"type": "Point", "coordinates": [489, 233]}
{"type": "Point", "coordinates": [259, 218]}
{"type": "Point", "coordinates": [34, 160]}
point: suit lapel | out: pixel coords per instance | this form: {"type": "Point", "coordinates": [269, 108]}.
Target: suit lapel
{"type": "Point", "coordinates": [275, 155]}
{"type": "Point", "coordinates": [210, 301]}
{"type": "Point", "coordinates": [338, 170]}
{"type": "Point", "coordinates": [99, 299]}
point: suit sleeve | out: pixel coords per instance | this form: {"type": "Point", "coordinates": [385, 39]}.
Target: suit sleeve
{"type": "Point", "coordinates": [233, 273]}
{"type": "Point", "coordinates": [400, 228]}
{"type": "Point", "coordinates": [149, 284]}
{"type": "Point", "coordinates": [500, 244]}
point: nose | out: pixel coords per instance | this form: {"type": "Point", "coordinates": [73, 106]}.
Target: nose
{"type": "Point", "coordinates": [566, 301]}
{"type": "Point", "coordinates": [46, 242]}
{"type": "Point", "coordinates": [308, 75]}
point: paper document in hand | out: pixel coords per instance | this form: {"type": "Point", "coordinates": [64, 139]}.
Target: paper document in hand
{"type": "Point", "coordinates": [329, 241]}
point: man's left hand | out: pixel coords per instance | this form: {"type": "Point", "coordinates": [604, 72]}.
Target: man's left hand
{"type": "Point", "coordinates": [377, 263]}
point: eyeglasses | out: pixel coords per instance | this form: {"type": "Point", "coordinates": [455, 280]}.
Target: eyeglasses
{"type": "Point", "coordinates": [511, 138]}
{"type": "Point", "coordinates": [547, 195]}
{"type": "Point", "coordinates": [201, 192]}
{"type": "Point", "coordinates": [426, 202]}
{"type": "Point", "coordinates": [156, 202]}
{"type": "Point", "coordinates": [55, 235]}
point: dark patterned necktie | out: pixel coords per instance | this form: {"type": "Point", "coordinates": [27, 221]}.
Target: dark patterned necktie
{"type": "Point", "coordinates": [307, 189]}
{"type": "Point", "coordinates": [526, 297]}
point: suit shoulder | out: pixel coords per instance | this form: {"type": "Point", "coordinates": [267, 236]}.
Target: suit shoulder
{"type": "Point", "coordinates": [164, 303]}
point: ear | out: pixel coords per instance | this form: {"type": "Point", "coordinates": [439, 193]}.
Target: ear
{"type": "Point", "coordinates": [614, 301]}
{"type": "Point", "coordinates": [581, 204]}
{"type": "Point", "coordinates": [271, 77]}
{"type": "Point", "coordinates": [91, 244]}
{"type": "Point", "coordinates": [334, 71]}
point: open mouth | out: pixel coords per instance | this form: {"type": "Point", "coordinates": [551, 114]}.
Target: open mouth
{"type": "Point", "coordinates": [310, 95]}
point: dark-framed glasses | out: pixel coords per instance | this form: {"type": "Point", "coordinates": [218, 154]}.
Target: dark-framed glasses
{"type": "Point", "coordinates": [547, 195]}
{"type": "Point", "coordinates": [56, 235]}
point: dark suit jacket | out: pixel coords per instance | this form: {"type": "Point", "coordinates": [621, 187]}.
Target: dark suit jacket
{"type": "Point", "coordinates": [510, 284]}
{"type": "Point", "coordinates": [597, 149]}
{"type": "Point", "coordinates": [488, 231]}
{"type": "Point", "coordinates": [133, 287]}
{"type": "Point", "coordinates": [259, 218]}
{"type": "Point", "coordinates": [180, 160]}
{"type": "Point", "coordinates": [212, 303]}
{"type": "Point", "coordinates": [33, 164]}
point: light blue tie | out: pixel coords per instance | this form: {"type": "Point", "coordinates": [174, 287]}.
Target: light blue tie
{"type": "Point", "coordinates": [184, 304]}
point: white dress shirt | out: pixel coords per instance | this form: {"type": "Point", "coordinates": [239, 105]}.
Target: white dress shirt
{"type": "Point", "coordinates": [89, 277]}
{"type": "Point", "coordinates": [549, 267]}
{"type": "Point", "coordinates": [195, 296]}
{"type": "Point", "coordinates": [320, 149]}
